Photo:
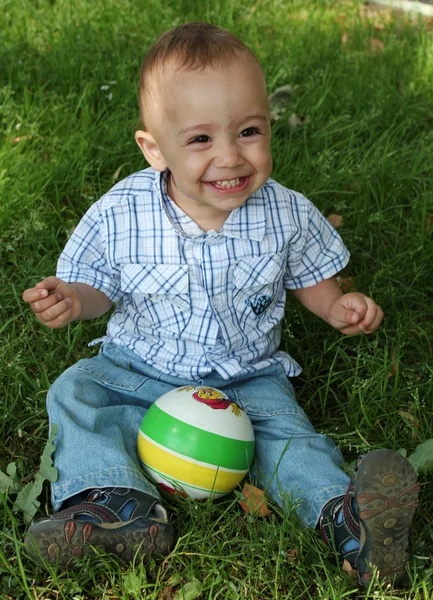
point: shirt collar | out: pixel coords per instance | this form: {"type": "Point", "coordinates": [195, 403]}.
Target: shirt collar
{"type": "Point", "coordinates": [246, 222]}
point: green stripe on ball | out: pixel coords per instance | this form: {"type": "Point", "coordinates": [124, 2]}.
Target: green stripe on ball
{"type": "Point", "coordinates": [181, 437]}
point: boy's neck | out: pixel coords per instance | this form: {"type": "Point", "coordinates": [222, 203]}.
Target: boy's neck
{"type": "Point", "coordinates": [207, 222]}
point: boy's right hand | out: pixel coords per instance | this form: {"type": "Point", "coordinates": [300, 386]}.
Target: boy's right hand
{"type": "Point", "coordinates": [54, 302]}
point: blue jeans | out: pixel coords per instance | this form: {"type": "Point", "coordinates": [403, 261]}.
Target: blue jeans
{"type": "Point", "coordinates": [98, 405]}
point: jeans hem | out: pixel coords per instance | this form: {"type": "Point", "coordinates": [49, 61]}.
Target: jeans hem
{"type": "Point", "coordinates": [113, 477]}
{"type": "Point", "coordinates": [310, 517]}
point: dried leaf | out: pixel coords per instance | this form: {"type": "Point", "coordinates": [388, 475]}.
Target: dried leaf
{"type": "Point", "coordinates": [428, 223]}
{"type": "Point", "coordinates": [335, 220]}
{"type": "Point", "coordinates": [280, 100]}
{"type": "Point", "coordinates": [345, 38]}
{"type": "Point", "coordinates": [296, 121]}
{"type": "Point", "coordinates": [376, 45]}
{"type": "Point", "coordinates": [292, 555]}
{"type": "Point", "coordinates": [254, 501]}
{"type": "Point", "coordinates": [117, 173]}
{"type": "Point", "coordinates": [354, 186]}
{"type": "Point", "coordinates": [412, 420]}
{"type": "Point", "coordinates": [347, 567]}
{"type": "Point", "coordinates": [395, 362]}
{"type": "Point", "coordinates": [21, 138]}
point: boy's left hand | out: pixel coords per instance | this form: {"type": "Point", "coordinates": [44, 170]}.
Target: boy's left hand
{"type": "Point", "coordinates": [355, 313]}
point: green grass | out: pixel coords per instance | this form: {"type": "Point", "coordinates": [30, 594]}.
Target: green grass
{"type": "Point", "coordinates": [68, 106]}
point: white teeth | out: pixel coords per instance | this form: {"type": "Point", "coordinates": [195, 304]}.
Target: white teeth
{"type": "Point", "coordinates": [228, 183]}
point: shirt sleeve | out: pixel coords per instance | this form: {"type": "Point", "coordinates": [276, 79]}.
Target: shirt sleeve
{"type": "Point", "coordinates": [84, 258]}
{"type": "Point", "coordinates": [319, 252]}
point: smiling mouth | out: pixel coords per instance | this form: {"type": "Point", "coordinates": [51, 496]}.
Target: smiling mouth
{"type": "Point", "coordinates": [229, 185]}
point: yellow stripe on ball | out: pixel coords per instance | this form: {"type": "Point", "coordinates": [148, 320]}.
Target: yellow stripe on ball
{"type": "Point", "coordinates": [186, 469]}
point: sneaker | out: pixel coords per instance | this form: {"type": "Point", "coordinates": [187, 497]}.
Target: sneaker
{"type": "Point", "coordinates": [369, 526]}
{"type": "Point", "coordinates": [121, 521]}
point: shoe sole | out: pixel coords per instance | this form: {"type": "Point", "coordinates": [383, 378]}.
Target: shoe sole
{"type": "Point", "coordinates": [386, 491]}
{"type": "Point", "coordinates": [61, 541]}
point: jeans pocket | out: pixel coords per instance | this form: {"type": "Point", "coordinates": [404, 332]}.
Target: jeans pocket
{"type": "Point", "coordinates": [111, 375]}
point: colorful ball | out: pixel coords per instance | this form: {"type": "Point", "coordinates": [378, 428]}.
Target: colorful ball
{"type": "Point", "coordinates": [195, 440]}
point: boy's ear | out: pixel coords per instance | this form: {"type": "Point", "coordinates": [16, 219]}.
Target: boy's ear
{"type": "Point", "coordinates": [147, 144]}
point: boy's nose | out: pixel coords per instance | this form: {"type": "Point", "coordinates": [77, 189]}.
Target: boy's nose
{"type": "Point", "coordinates": [228, 157]}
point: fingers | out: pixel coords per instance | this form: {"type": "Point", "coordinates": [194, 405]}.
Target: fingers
{"type": "Point", "coordinates": [357, 313]}
{"type": "Point", "coordinates": [41, 289]}
{"type": "Point", "coordinates": [372, 317]}
{"type": "Point", "coordinates": [57, 315]}
{"type": "Point", "coordinates": [34, 294]}
{"type": "Point", "coordinates": [40, 306]}
{"type": "Point", "coordinates": [49, 283]}
{"type": "Point", "coordinates": [350, 316]}
{"type": "Point", "coordinates": [50, 306]}
{"type": "Point", "coordinates": [365, 317]}
{"type": "Point", "coordinates": [348, 310]}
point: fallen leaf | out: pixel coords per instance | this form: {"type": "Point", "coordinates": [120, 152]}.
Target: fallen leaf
{"type": "Point", "coordinates": [47, 468]}
{"type": "Point", "coordinates": [422, 458]}
{"type": "Point", "coordinates": [296, 121]}
{"type": "Point", "coordinates": [355, 186]}
{"type": "Point", "coordinates": [335, 220]}
{"type": "Point", "coordinates": [254, 500]}
{"type": "Point", "coordinates": [395, 362]}
{"type": "Point", "coordinates": [280, 100]}
{"type": "Point", "coordinates": [428, 223]}
{"type": "Point", "coordinates": [8, 481]}
{"type": "Point", "coordinates": [190, 590]}
{"type": "Point", "coordinates": [117, 173]}
{"type": "Point", "coordinates": [414, 422]}
{"type": "Point", "coordinates": [21, 138]}
{"type": "Point", "coordinates": [27, 499]}
{"type": "Point", "coordinates": [292, 555]}
{"type": "Point", "coordinates": [376, 45]}
{"type": "Point", "coordinates": [347, 567]}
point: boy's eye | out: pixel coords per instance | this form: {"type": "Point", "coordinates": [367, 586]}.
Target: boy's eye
{"type": "Point", "coordinates": [200, 139]}
{"type": "Point", "coordinates": [249, 131]}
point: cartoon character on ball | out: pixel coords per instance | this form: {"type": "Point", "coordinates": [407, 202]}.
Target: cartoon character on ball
{"type": "Point", "coordinates": [196, 441]}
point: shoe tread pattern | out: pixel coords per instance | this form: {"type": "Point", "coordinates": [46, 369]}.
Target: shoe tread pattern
{"type": "Point", "coordinates": [387, 496]}
{"type": "Point", "coordinates": [61, 541]}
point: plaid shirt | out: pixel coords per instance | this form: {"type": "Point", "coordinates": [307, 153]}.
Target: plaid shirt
{"type": "Point", "coordinates": [187, 301]}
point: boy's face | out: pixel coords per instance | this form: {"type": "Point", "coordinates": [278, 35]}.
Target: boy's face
{"type": "Point", "coordinates": [211, 129]}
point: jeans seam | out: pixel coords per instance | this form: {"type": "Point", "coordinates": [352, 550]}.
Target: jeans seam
{"type": "Point", "coordinates": [275, 413]}
{"type": "Point", "coordinates": [111, 383]}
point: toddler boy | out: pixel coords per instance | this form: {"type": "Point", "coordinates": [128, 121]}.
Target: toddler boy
{"type": "Point", "coordinates": [196, 253]}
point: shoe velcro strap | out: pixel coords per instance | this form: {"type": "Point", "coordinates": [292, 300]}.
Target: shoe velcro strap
{"type": "Point", "coordinates": [100, 514]}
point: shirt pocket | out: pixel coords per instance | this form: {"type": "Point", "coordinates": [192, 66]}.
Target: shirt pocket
{"type": "Point", "coordinates": [159, 293]}
{"type": "Point", "coordinates": [258, 294]}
